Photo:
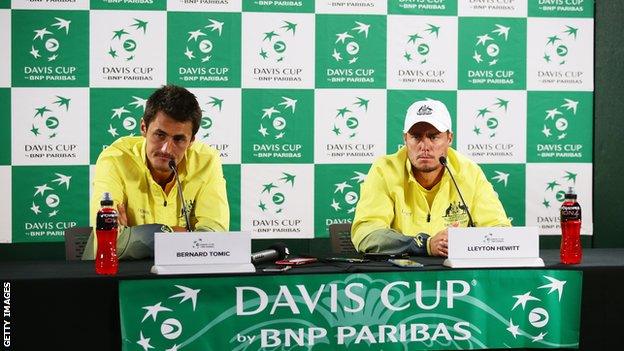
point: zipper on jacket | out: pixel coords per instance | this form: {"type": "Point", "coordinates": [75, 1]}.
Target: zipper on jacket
{"type": "Point", "coordinates": [428, 217]}
{"type": "Point", "coordinates": [165, 204]}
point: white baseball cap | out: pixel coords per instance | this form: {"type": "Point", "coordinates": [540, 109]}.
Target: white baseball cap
{"type": "Point", "coordinates": [433, 112]}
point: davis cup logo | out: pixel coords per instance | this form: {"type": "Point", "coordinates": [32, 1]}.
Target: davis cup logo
{"type": "Point", "coordinates": [346, 121]}
{"type": "Point", "coordinates": [276, 42]}
{"type": "Point", "coordinates": [46, 121]}
{"type": "Point", "coordinates": [529, 316]}
{"type": "Point", "coordinates": [273, 122]}
{"type": "Point", "coordinates": [556, 120]}
{"type": "Point", "coordinates": [557, 46]}
{"type": "Point", "coordinates": [200, 42]}
{"type": "Point", "coordinates": [207, 121]}
{"type": "Point", "coordinates": [488, 119]}
{"type": "Point", "coordinates": [123, 44]}
{"type": "Point", "coordinates": [487, 49]}
{"type": "Point", "coordinates": [46, 44]}
{"type": "Point", "coordinates": [347, 45]}
{"type": "Point", "coordinates": [124, 120]}
{"type": "Point", "coordinates": [556, 191]}
{"type": "Point", "coordinates": [419, 45]}
{"type": "Point", "coordinates": [46, 201]}
{"type": "Point", "coordinates": [273, 197]}
{"type": "Point", "coordinates": [345, 196]}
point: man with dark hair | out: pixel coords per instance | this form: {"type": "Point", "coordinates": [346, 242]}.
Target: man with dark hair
{"type": "Point", "coordinates": [136, 170]}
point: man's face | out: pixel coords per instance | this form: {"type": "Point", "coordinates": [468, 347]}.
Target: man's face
{"type": "Point", "coordinates": [166, 139]}
{"type": "Point", "coordinates": [425, 145]}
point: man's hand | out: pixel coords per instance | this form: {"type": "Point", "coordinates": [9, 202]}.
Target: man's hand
{"type": "Point", "coordinates": [438, 244]}
{"type": "Point", "coordinates": [122, 217]}
{"type": "Point", "coordinates": [179, 229]}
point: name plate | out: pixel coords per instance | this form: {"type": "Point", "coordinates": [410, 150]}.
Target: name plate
{"type": "Point", "coordinates": [493, 247]}
{"type": "Point", "coordinates": [202, 252]}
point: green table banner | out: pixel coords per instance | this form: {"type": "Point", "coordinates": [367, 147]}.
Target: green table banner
{"type": "Point", "coordinates": [432, 310]}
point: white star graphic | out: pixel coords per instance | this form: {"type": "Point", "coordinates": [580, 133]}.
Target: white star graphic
{"type": "Point", "coordinates": [280, 135]}
{"type": "Point", "coordinates": [138, 102]}
{"type": "Point", "coordinates": [215, 25]}
{"type": "Point", "coordinates": [483, 39]}
{"type": "Point", "coordinates": [268, 112]}
{"type": "Point", "coordinates": [34, 52]}
{"type": "Point", "coordinates": [41, 189]}
{"type": "Point", "coordinates": [513, 329]}
{"type": "Point", "coordinates": [62, 179]}
{"type": "Point", "coordinates": [353, 60]}
{"type": "Point", "coordinates": [502, 30]}
{"type": "Point", "coordinates": [41, 33]}
{"type": "Point", "coordinates": [336, 55]}
{"type": "Point", "coordinates": [112, 131]}
{"type": "Point", "coordinates": [195, 34]}
{"type": "Point", "coordinates": [35, 208]}
{"type": "Point", "coordinates": [117, 112]}
{"type": "Point", "coordinates": [341, 187]}
{"type": "Point", "coordinates": [53, 57]}
{"type": "Point", "coordinates": [289, 103]}
{"type": "Point", "coordinates": [493, 62]}
{"type": "Point", "coordinates": [335, 205]}
{"type": "Point", "coordinates": [144, 342]}
{"type": "Point", "coordinates": [570, 105]}
{"type": "Point", "coordinates": [173, 348]}
{"type": "Point", "coordinates": [53, 213]}
{"type": "Point", "coordinates": [152, 311]}
{"type": "Point", "coordinates": [362, 27]}
{"type": "Point", "coordinates": [342, 37]}
{"type": "Point", "coordinates": [206, 58]}
{"type": "Point", "coordinates": [561, 136]}
{"type": "Point", "coordinates": [359, 176]}
{"type": "Point", "coordinates": [187, 294]}
{"type": "Point", "coordinates": [263, 130]}
{"type": "Point", "coordinates": [351, 210]}
{"type": "Point", "coordinates": [62, 23]}
{"type": "Point", "coordinates": [501, 177]}
{"type": "Point", "coordinates": [477, 57]}
{"type": "Point", "coordinates": [522, 300]}
{"type": "Point", "coordinates": [554, 285]}
{"type": "Point", "coordinates": [546, 131]}
{"type": "Point", "coordinates": [539, 337]}
{"type": "Point", "coordinates": [552, 113]}
{"type": "Point", "coordinates": [188, 53]}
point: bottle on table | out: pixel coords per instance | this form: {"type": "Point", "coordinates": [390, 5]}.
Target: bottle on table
{"type": "Point", "coordinates": [106, 261]}
{"type": "Point", "coordinates": [571, 250]}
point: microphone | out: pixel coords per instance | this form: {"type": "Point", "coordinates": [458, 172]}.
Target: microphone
{"type": "Point", "coordinates": [443, 162]}
{"type": "Point", "coordinates": [173, 167]}
{"type": "Point", "coordinates": [277, 251]}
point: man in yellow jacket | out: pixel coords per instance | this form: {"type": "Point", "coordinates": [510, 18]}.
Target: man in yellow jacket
{"type": "Point", "coordinates": [408, 200]}
{"type": "Point", "coordinates": [135, 170]}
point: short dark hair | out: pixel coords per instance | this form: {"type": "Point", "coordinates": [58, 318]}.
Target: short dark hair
{"type": "Point", "coordinates": [176, 102]}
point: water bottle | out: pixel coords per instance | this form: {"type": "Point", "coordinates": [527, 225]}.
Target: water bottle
{"type": "Point", "coordinates": [571, 250]}
{"type": "Point", "coordinates": [106, 261]}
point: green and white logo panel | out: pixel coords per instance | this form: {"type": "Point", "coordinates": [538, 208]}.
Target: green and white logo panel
{"type": "Point", "coordinates": [350, 51]}
{"type": "Point", "coordinates": [127, 49]}
{"type": "Point", "coordinates": [372, 7]}
{"type": "Point", "coordinates": [546, 186]}
{"type": "Point", "coordinates": [492, 53]}
{"type": "Point", "coordinates": [507, 8]}
{"type": "Point", "coordinates": [422, 52]}
{"type": "Point", "coordinates": [5, 206]}
{"type": "Point", "coordinates": [301, 6]}
{"type": "Point", "coordinates": [128, 4]}
{"type": "Point", "coordinates": [277, 51]}
{"type": "Point", "coordinates": [423, 7]}
{"type": "Point", "coordinates": [559, 126]}
{"type": "Point", "coordinates": [204, 5]}
{"type": "Point", "coordinates": [349, 125]}
{"type": "Point", "coordinates": [337, 191]}
{"type": "Point", "coordinates": [50, 48]}
{"type": "Point", "coordinates": [48, 200]}
{"type": "Point", "coordinates": [509, 183]}
{"type": "Point", "coordinates": [559, 54]}
{"type": "Point", "coordinates": [492, 125]}
{"type": "Point", "coordinates": [561, 8]}
{"type": "Point", "coordinates": [220, 125]}
{"type": "Point", "coordinates": [398, 103]}
{"type": "Point", "coordinates": [204, 49]}
{"type": "Point", "coordinates": [278, 126]}
{"type": "Point", "coordinates": [5, 126]}
{"type": "Point", "coordinates": [276, 200]}
{"type": "Point", "coordinates": [232, 175]}
{"type": "Point", "coordinates": [5, 42]}
{"type": "Point", "coordinates": [49, 4]}
{"type": "Point", "coordinates": [48, 126]}
{"type": "Point", "coordinates": [115, 113]}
